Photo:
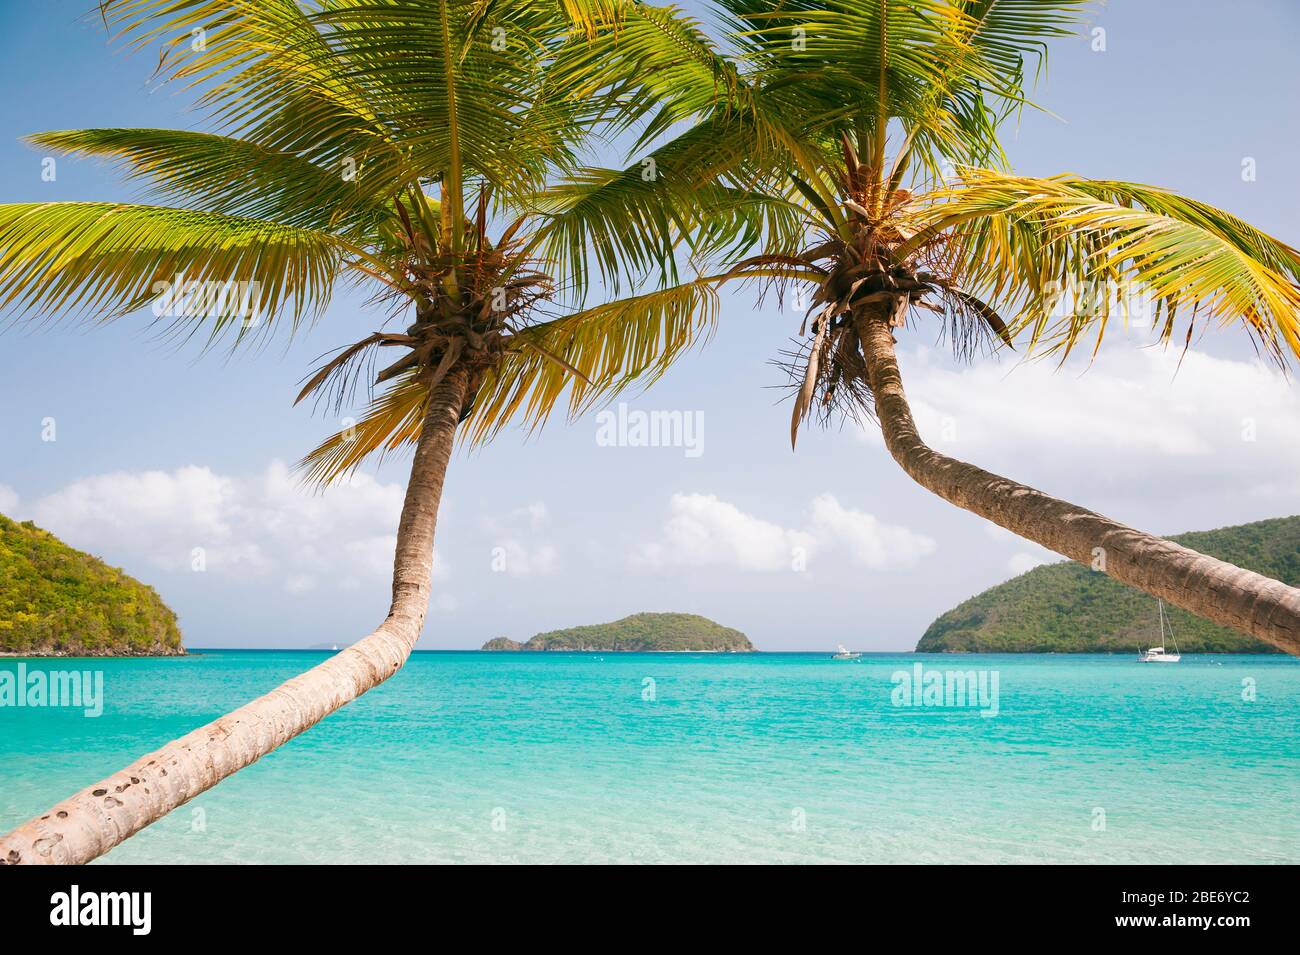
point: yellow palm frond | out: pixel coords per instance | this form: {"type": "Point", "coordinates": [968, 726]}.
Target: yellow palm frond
{"type": "Point", "coordinates": [393, 419]}
{"type": "Point", "coordinates": [1068, 252]}
{"type": "Point", "coordinates": [593, 355]}
{"type": "Point", "coordinates": [109, 258]}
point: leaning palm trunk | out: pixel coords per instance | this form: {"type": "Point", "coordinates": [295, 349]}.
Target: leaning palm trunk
{"type": "Point", "coordinates": [99, 817]}
{"type": "Point", "coordinates": [1210, 588]}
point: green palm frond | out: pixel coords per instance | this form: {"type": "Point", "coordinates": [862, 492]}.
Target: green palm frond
{"type": "Point", "coordinates": [696, 195]}
{"type": "Point", "coordinates": [233, 176]}
{"type": "Point", "coordinates": [853, 59]}
{"type": "Point", "coordinates": [947, 71]}
{"type": "Point", "coordinates": [651, 62]}
{"type": "Point", "coordinates": [459, 83]}
{"type": "Point", "coordinates": [1008, 31]}
{"type": "Point", "coordinates": [981, 81]}
{"type": "Point", "coordinates": [264, 71]}
{"type": "Point", "coordinates": [247, 57]}
{"type": "Point", "coordinates": [1059, 250]}
{"type": "Point", "coordinates": [106, 259]}
{"type": "Point", "coordinates": [368, 80]}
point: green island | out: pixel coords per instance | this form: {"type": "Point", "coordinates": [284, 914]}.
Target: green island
{"type": "Point", "coordinates": [639, 633]}
{"type": "Point", "coordinates": [57, 601]}
{"type": "Point", "coordinates": [1069, 608]}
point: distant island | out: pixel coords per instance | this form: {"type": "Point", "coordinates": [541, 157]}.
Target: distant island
{"type": "Point", "coordinates": [57, 601]}
{"type": "Point", "coordinates": [639, 633]}
{"type": "Point", "coordinates": [1069, 608]}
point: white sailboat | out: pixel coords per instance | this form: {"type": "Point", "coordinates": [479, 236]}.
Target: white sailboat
{"type": "Point", "coordinates": [845, 654]}
{"type": "Point", "coordinates": [1160, 654]}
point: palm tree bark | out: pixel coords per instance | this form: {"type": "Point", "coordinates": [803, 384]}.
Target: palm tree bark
{"type": "Point", "coordinates": [90, 823]}
{"type": "Point", "coordinates": [1211, 588]}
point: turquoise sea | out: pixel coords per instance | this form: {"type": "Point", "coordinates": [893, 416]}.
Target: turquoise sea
{"type": "Point", "coordinates": [499, 758]}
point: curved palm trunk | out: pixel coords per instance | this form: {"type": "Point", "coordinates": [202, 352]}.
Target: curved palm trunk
{"type": "Point", "coordinates": [90, 823]}
{"type": "Point", "coordinates": [1210, 588]}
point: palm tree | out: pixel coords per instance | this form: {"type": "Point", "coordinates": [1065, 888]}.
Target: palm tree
{"type": "Point", "coordinates": [864, 133]}
{"type": "Point", "coordinates": [405, 145]}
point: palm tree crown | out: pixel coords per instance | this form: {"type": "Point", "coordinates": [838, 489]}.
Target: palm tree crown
{"type": "Point", "coordinates": [406, 146]}
{"type": "Point", "coordinates": [852, 147]}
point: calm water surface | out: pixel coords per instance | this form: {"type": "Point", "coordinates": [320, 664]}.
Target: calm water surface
{"type": "Point", "coordinates": [476, 757]}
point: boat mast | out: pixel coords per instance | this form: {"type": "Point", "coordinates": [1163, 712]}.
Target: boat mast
{"type": "Point", "coordinates": [1163, 618]}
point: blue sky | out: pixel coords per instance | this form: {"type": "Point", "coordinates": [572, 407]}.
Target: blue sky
{"type": "Point", "coordinates": [159, 451]}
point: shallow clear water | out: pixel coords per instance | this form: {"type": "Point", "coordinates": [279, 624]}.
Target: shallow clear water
{"type": "Point", "coordinates": [475, 757]}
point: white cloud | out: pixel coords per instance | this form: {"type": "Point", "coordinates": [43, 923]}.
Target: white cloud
{"type": "Point", "coordinates": [702, 530]}
{"type": "Point", "coordinates": [158, 517]}
{"type": "Point", "coordinates": [1022, 561]}
{"type": "Point", "coordinates": [299, 584]}
{"type": "Point", "coordinates": [374, 555]}
{"type": "Point", "coordinates": [1217, 423]}
{"type": "Point", "coordinates": [519, 559]}
{"type": "Point", "coordinates": [536, 513]}
{"type": "Point", "coordinates": [8, 500]}
{"type": "Point", "coordinates": [1028, 554]}
{"type": "Point", "coordinates": [531, 517]}
{"type": "Point", "coordinates": [266, 526]}
{"type": "Point", "coordinates": [1000, 534]}
{"type": "Point", "coordinates": [871, 542]}
{"type": "Point", "coordinates": [514, 549]}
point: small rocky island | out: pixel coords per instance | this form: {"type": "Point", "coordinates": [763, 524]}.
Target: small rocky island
{"type": "Point", "coordinates": [639, 633]}
{"type": "Point", "coordinates": [57, 601]}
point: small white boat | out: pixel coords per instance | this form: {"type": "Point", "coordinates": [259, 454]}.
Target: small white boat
{"type": "Point", "coordinates": [845, 654]}
{"type": "Point", "coordinates": [1160, 654]}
